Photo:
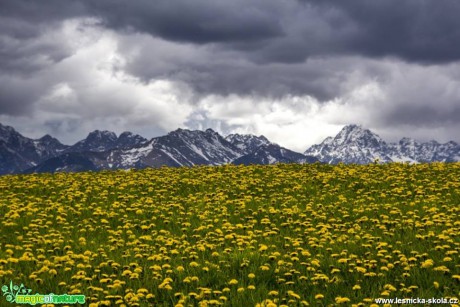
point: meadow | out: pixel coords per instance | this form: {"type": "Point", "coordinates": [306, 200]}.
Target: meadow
{"type": "Point", "coordinates": [281, 235]}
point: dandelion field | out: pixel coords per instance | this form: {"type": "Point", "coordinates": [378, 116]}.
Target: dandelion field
{"type": "Point", "coordinates": [287, 234]}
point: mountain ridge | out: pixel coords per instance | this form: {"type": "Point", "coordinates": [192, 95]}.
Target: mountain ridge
{"type": "Point", "coordinates": [103, 149]}
{"type": "Point", "coordinates": [355, 144]}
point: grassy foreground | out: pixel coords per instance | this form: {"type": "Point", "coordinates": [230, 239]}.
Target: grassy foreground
{"type": "Point", "coordinates": [291, 235]}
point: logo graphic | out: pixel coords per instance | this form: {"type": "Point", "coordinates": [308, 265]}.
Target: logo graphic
{"type": "Point", "coordinates": [22, 295]}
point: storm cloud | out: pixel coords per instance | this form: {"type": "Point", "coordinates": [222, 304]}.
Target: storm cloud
{"type": "Point", "coordinates": [261, 67]}
{"type": "Point", "coordinates": [292, 31]}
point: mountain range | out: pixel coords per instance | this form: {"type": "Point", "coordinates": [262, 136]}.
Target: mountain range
{"type": "Point", "coordinates": [105, 150]}
{"type": "Point", "coordinates": [355, 144]}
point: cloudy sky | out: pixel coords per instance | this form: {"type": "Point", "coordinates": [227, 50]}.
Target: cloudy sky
{"type": "Point", "coordinates": [293, 70]}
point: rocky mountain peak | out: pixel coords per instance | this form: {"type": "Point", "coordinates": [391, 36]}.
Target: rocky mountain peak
{"type": "Point", "coordinates": [49, 140]}
{"type": "Point", "coordinates": [6, 132]}
{"type": "Point", "coordinates": [102, 135]}
{"type": "Point", "coordinates": [355, 144]}
{"type": "Point", "coordinates": [97, 140]}
{"type": "Point", "coordinates": [357, 134]}
{"type": "Point", "coordinates": [128, 139]}
{"type": "Point", "coordinates": [247, 142]}
{"type": "Point", "coordinates": [46, 138]}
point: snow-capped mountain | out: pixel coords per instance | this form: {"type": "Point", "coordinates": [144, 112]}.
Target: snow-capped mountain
{"type": "Point", "coordinates": [98, 141]}
{"type": "Point", "coordinates": [49, 146]}
{"type": "Point", "coordinates": [247, 143]}
{"type": "Point", "coordinates": [18, 152]}
{"type": "Point", "coordinates": [410, 150]}
{"type": "Point", "coordinates": [355, 144]}
{"type": "Point", "coordinates": [22, 154]}
{"type": "Point", "coordinates": [271, 154]}
{"type": "Point", "coordinates": [259, 150]}
{"type": "Point", "coordinates": [128, 139]}
{"type": "Point", "coordinates": [182, 147]}
{"type": "Point", "coordinates": [197, 147]}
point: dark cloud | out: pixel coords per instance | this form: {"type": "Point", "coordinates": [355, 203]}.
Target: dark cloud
{"type": "Point", "coordinates": [422, 95]}
{"type": "Point", "coordinates": [289, 31]}
{"type": "Point", "coordinates": [41, 12]}
{"type": "Point", "coordinates": [213, 71]}
{"type": "Point", "coordinates": [24, 57]}
{"type": "Point", "coordinates": [423, 31]}
{"type": "Point", "coordinates": [18, 95]}
{"type": "Point", "coordinates": [199, 21]}
{"type": "Point", "coordinates": [26, 45]}
{"type": "Point", "coordinates": [268, 30]}
{"type": "Point", "coordinates": [274, 81]}
{"type": "Point", "coordinates": [422, 115]}
{"type": "Point", "coordinates": [60, 126]}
